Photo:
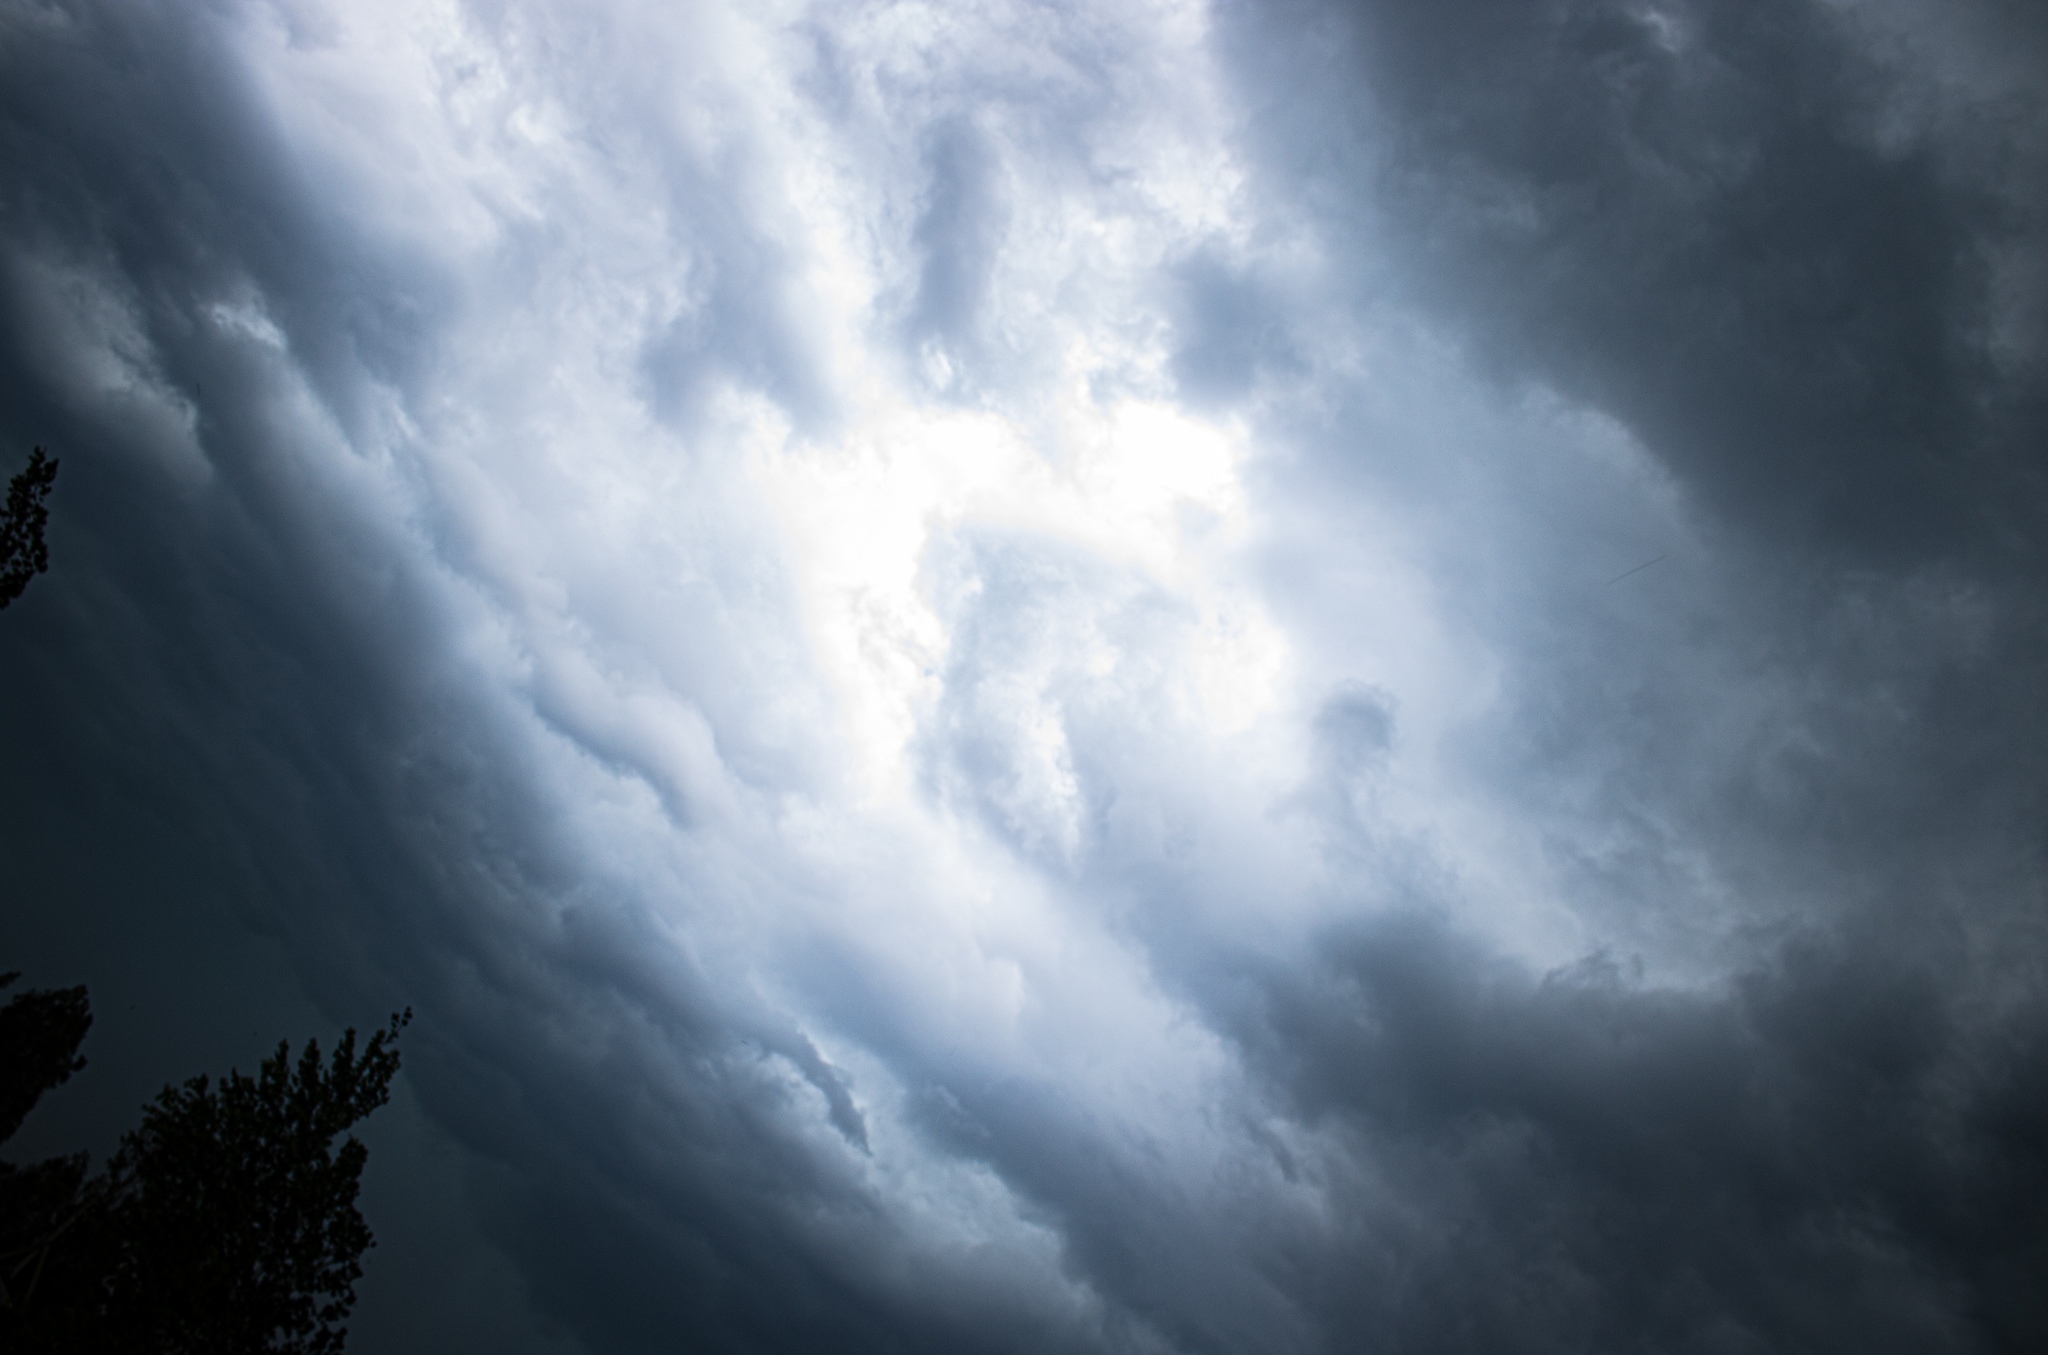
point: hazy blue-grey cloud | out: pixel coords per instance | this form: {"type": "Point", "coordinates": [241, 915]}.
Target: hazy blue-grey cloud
{"type": "Point", "coordinates": [1230, 328]}
{"type": "Point", "coordinates": [959, 232]}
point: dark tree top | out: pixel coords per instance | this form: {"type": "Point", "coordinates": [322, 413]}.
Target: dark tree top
{"type": "Point", "coordinates": [225, 1224]}
{"type": "Point", "coordinates": [23, 553]}
{"type": "Point", "coordinates": [40, 1032]}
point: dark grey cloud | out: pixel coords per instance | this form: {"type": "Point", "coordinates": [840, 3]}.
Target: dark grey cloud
{"type": "Point", "coordinates": [1751, 232]}
{"type": "Point", "coordinates": [1826, 1155]}
{"type": "Point", "coordinates": [1773, 245]}
{"type": "Point", "coordinates": [1738, 232]}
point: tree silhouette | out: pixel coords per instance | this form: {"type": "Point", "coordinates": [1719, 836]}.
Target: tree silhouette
{"type": "Point", "coordinates": [39, 1037]}
{"type": "Point", "coordinates": [226, 1223]}
{"type": "Point", "coordinates": [23, 554]}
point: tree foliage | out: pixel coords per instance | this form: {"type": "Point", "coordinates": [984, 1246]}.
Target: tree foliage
{"type": "Point", "coordinates": [40, 1033]}
{"type": "Point", "coordinates": [226, 1222]}
{"type": "Point", "coordinates": [23, 553]}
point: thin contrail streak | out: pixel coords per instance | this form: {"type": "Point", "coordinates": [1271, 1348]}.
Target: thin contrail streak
{"type": "Point", "coordinates": [1637, 570]}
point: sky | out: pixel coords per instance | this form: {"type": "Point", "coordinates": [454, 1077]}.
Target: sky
{"type": "Point", "coordinates": [1136, 676]}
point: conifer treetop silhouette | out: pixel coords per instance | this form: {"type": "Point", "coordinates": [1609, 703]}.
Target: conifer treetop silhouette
{"type": "Point", "coordinates": [23, 552]}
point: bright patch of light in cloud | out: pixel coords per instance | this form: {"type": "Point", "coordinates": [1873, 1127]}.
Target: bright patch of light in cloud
{"type": "Point", "coordinates": [742, 630]}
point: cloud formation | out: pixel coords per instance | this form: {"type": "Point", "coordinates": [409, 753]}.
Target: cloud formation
{"type": "Point", "coordinates": [984, 668]}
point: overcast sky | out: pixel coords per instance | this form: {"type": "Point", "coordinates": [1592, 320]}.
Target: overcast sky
{"type": "Point", "coordinates": [1139, 676]}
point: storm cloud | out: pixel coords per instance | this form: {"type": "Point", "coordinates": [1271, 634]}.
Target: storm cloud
{"type": "Point", "coordinates": [1289, 677]}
